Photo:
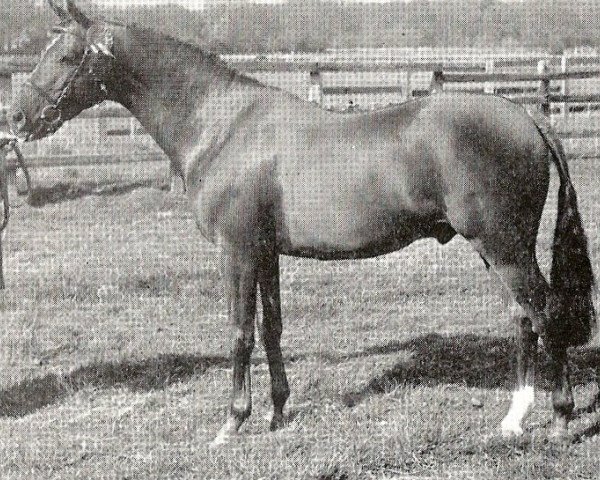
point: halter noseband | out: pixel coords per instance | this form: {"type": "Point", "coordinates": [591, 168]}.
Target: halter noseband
{"type": "Point", "coordinates": [51, 115]}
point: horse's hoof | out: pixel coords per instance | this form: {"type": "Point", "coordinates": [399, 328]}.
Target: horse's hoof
{"type": "Point", "coordinates": [225, 436]}
{"type": "Point", "coordinates": [560, 439]}
{"type": "Point", "coordinates": [559, 433]}
{"type": "Point", "coordinates": [277, 422]}
{"type": "Point", "coordinates": [511, 430]}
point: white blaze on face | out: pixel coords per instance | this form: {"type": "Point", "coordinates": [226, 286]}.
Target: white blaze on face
{"type": "Point", "coordinates": [521, 404]}
{"type": "Point", "coordinates": [51, 44]}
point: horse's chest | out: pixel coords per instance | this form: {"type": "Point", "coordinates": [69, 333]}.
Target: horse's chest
{"type": "Point", "coordinates": [227, 202]}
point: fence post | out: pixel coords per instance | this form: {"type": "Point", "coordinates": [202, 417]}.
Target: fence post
{"type": "Point", "coordinates": [315, 92]}
{"type": "Point", "coordinates": [564, 66]}
{"type": "Point", "coordinates": [172, 185]}
{"type": "Point", "coordinates": [408, 86]}
{"type": "Point", "coordinates": [544, 89]}
{"type": "Point", "coordinates": [437, 81]}
{"type": "Point", "coordinates": [97, 136]}
{"type": "Point", "coordinates": [489, 68]}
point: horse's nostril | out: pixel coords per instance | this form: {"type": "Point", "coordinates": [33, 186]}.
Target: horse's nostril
{"type": "Point", "coordinates": [18, 117]}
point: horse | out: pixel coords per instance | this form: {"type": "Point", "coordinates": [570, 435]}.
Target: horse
{"type": "Point", "coordinates": [269, 174]}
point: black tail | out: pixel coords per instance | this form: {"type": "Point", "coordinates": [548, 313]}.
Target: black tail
{"type": "Point", "coordinates": [571, 308]}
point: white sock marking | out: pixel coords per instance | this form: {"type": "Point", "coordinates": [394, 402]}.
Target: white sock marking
{"type": "Point", "coordinates": [521, 404]}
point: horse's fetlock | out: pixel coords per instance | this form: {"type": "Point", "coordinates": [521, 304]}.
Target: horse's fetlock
{"type": "Point", "coordinates": [241, 408]}
{"type": "Point", "coordinates": [280, 394]}
{"type": "Point", "coordinates": [563, 404]}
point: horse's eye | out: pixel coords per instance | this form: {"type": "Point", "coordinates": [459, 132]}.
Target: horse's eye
{"type": "Point", "coordinates": [69, 59]}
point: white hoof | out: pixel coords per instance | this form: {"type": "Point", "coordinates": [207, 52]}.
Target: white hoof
{"type": "Point", "coordinates": [220, 440]}
{"type": "Point", "coordinates": [511, 429]}
{"type": "Point", "coordinates": [559, 430]}
{"type": "Point", "coordinates": [225, 435]}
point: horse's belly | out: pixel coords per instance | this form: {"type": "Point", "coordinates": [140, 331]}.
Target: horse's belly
{"type": "Point", "coordinates": [350, 209]}
{"type": "Point", "coordinates": [338, 233]}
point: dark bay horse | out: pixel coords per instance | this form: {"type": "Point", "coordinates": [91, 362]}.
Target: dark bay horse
{"type": "Point", "coordinates": [269, 174]}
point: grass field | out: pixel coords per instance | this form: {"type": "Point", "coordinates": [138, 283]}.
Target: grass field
{"type": "Point", "coordinates": [114, 351]}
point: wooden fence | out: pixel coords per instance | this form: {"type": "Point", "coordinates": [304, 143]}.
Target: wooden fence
{"type": "Point", "coordinates": [543, 76]}
{"type": "Point", "coordinates": [453, 73]}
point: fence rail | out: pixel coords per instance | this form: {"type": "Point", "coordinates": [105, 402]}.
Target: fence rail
{"type": "Point", "coordinates": [544, 98]}
{"type": "Point", "coordinates": [516, 77]}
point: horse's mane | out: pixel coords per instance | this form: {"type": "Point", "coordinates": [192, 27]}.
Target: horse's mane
{"type": "Point", "coordinates": [187, 53]}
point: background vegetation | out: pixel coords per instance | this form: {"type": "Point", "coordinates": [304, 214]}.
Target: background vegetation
{"type": "Point", "coordinates": [312, 25]}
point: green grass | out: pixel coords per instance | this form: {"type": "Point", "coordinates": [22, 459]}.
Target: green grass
{"type": "Point", "coordinates": [114, 352]}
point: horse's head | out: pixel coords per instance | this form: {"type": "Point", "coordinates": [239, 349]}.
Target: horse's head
{"type": "Point", "coordinates": [71, 76]}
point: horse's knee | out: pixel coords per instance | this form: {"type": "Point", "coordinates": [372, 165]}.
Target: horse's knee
{"type": "Point", "coordinates": [270, 334]}
{"type": "Point", "coordinates": [243, 346]}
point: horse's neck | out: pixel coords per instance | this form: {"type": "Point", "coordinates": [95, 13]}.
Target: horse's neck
{"type": "Point", "coordinates": [182, 97]}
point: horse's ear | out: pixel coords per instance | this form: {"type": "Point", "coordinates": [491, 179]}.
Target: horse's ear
{"type": "Point", "coordinates": [60, 12]}
{"type": "Point", "coordinates": [78, 15]}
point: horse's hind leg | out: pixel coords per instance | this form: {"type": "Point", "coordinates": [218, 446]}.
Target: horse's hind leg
{"type": "Point", "coordinates": [531, 291]}
{"type": "Point", "coordinates": [521, 275]}
{"type": "Point", "coordinates": [268, 279]}
{"type": "Point", "coordinates": [562, 394]}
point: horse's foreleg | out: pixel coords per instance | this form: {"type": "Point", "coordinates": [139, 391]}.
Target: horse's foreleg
{"type": "Point", "coordinates": [241, 279]}
{"type": "Point", "coordinates": [271, 335]}
{"type": "Point", "coordinates": [524, 393]}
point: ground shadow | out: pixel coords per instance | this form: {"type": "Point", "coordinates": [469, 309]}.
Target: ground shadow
{"type": "Point", "coordinates": [469, 360]}
{"type": "Point", "coordinates": [62, 192]}
{"type": "Point", "coordinates": [144, 375]}
{"type": "Point", "coordinates": [474, 361]}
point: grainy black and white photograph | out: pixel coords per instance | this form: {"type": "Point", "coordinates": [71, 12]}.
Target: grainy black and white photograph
{"type": "Point", "coordinates": [299, 239]}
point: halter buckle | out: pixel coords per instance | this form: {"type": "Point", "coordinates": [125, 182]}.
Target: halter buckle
{"type": "Point", "coordinates": [51, 114]}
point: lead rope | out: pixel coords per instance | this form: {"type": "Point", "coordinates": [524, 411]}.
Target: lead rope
{"type": "Point", "coordinates": [4, 148]}
{"type": "Point", "coordinates": [6, 145]}
{"type": "Point", "coordinates": [23, 166]}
